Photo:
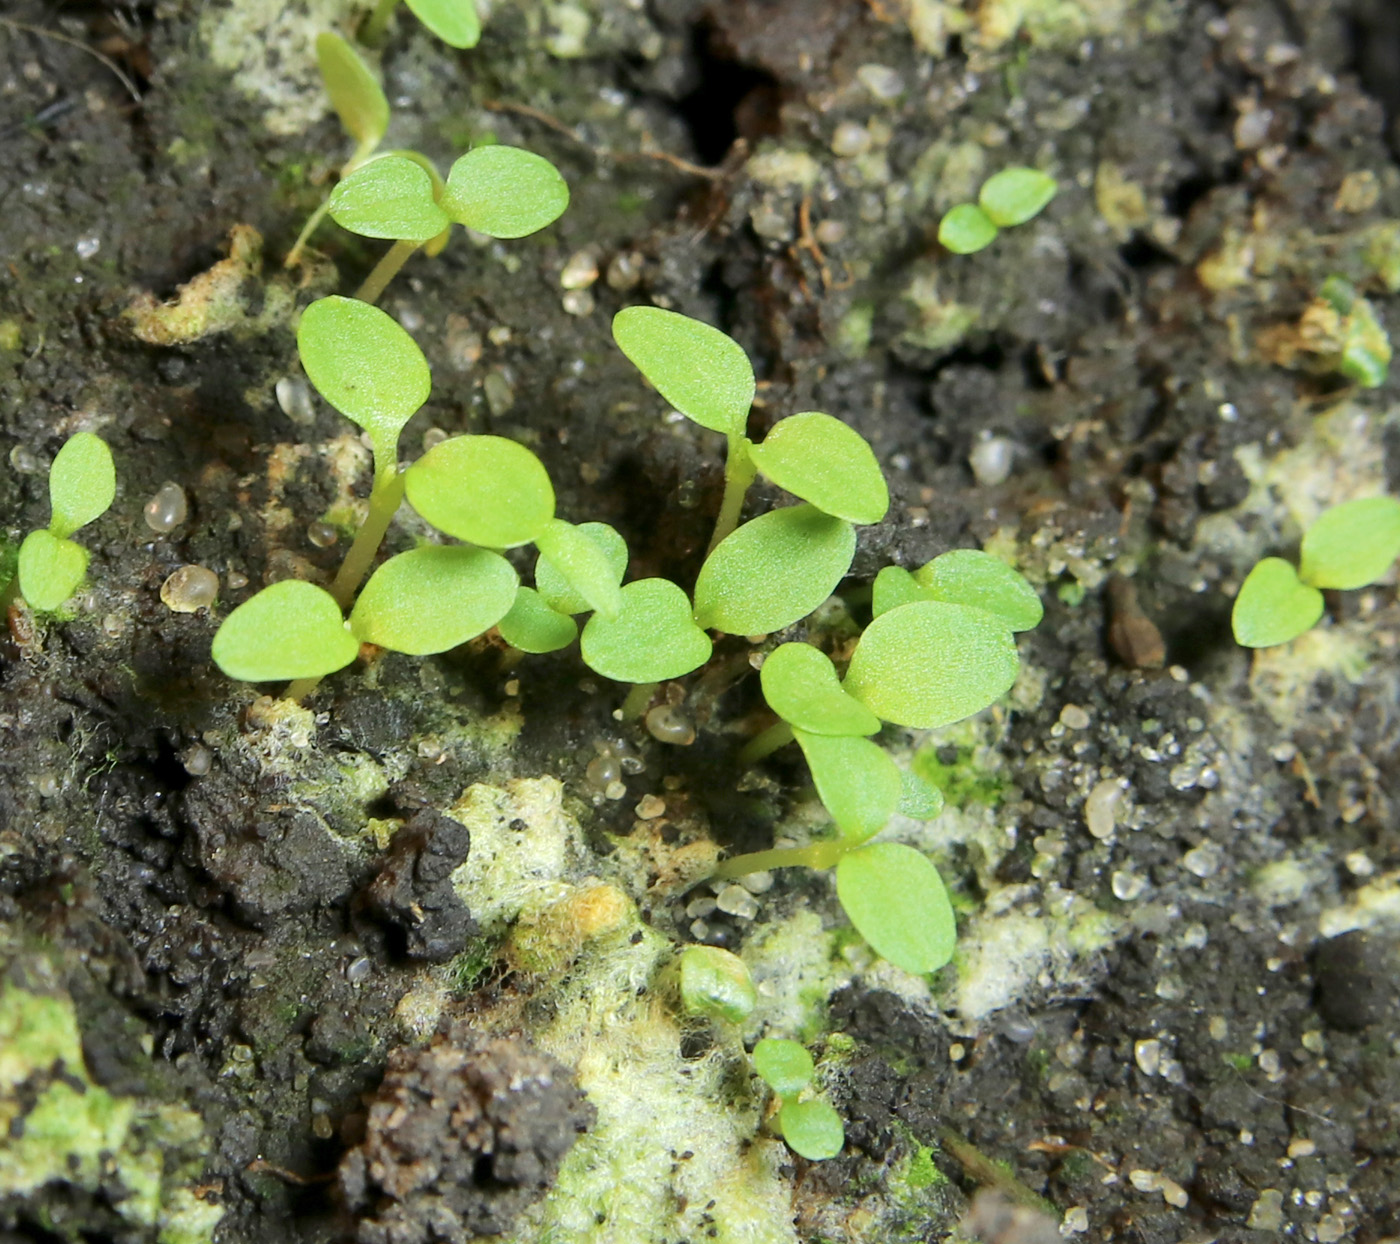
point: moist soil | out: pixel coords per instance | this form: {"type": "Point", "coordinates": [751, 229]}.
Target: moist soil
{"type": "Point", "coordinates": [1177, 1027]}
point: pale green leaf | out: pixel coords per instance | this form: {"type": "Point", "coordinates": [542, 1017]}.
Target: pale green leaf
{"type": "Point", "coordinates": [586, 562]}
{"type": "Point", "coordinates": [716, 984]}
{"type": "Point", "coordinates": [812, 1129]}
{"type": "Point", "coordinates": [896, 900]}
{"type": "Point", "coordinates": [971, 577]}
{"type": "Point", "coordinates": [930, 664]}
{"type": "Point", "coordinates": [365, 365]}
{"type": "Point", "coordinates": [801, 686]}
{"type": "Point", "coordinates": [653, 637]}
{"type": "Point", "coordinates": [433, 598]}
{"type": "Point", "coordinates": [783, 1065]}
{"type": "Point", "coordinates": [965, 229]}
{"type": "Point", "coordinates": [532, 626]}
{"type": "Point", "coordinates": [391, 197]}
{"type": "Point", "coordinates": [1014, 195]}
{"type": "Point", "coordinates": [82, 483]}
{"type": "Point", "coordinates": [857, 781]}
{"type": "Point", "coordinates": [504, 192]}
{"type": "Point", "coordinates": [821, 460]}
{"type": "Point", "coordinates": [1353, 544]}
{"type": "Point", "coordinates": [355, 94]}
{"type": "Point", "coordinates": [701, 371]}
{"type": "Point", "coordinates": [918, 799]}
{"type": "Point", "coordinates": [773, 571]}
{"type": "Point", "coordinates": [50, 569]}
{"type": "Point", "coordinates": [290, 630]}
{"type": "Point", "coordinates": [487, 490]}
{"type": "Point", "coordinates": [894, 586]}
{"type": "Point", "coordinates": [1274, 606]}
{"type": "Point", "coordinates": [453, 21]}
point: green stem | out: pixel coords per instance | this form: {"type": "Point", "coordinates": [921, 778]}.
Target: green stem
{"type": "Point", "coordinates": [384, 501]}
{"type": "Point", "coordinates": [298, 690]}
{"type": "Point", "coordinates": [386, 270]}
{"type": "Point", "coordinates": [813, 855]}
{"type": "Point", "coordinates": [361, 154]}
{"type": "Point", "coordinates": [765, 743]}
{"type": "Point", "coordinates": [638, 700]}
{"type": "Point", "coordinates": [373, 30]}
{"type": "Point", "coordinates": [739, 472]}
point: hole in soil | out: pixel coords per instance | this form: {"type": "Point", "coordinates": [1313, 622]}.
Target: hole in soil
{"type": "Point", "coordinates": [1143, 255]}
{"type": "Point", "coordinates": [1375, 44]}
{"type": "Point", "coordinates": [1183, 196]}
{"type": "Point", "coordinates": [731, 101]}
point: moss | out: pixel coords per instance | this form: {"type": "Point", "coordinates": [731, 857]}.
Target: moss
{"type": "Point", "coordinates": [962, 781]}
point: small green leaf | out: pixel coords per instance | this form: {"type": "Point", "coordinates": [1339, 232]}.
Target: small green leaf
{"type": "Point", "coordinates": [532, 626]}
{"type": "Point", "coordinates": [587, 563]}
{"type": "Point", "coordinates": [366, 366]}
{"type": "Point", "coordinates": [773, 571]}
{"type": "Point", "coordinates": [1274, 606]}
{"type": "Point", "coordinates": [290, 630]}
{"type": "Point", "coordinates": [930, 664]}
{"type": "Point", "coordinates": [1353, 544]}
{"type": "Point", "coordinates": [701, 371]}
{"type": "Point", "coordinates": [453, 21]}
{"type": "Point", "coordinates": [858, 783]}
{"type": "Point", "coordinates": [812, 1129]}
{"type": "Point", "coordinates": [1366, 350]}
{"type": "Point", "coordinates": [1014, 195]}
{"type": "Point", "coordinates": [821, 460]}
{"type": "Point", "coordinates": [894, 586]}
{"type": "Point", "coordinates": [918, 799]}
{"type": "Point", "coordinates": [556, 589]}
{"type": "Point", "coordinates": [433, 598]}
{"type": "Point", "coordinates": [390, 197]}
{"type": "Point", "coordinates": [716, 984]}
{"type": "Point", "coordinates": [82, 483]}
{"type": "Point", "coordinates": [652, 638]}
{"type": "Point", "coordinates": [965, 229]}
{"type": "Point", "coordinates": [896, 900]}
{"type": "Point", "coordinates": [785, 1066]}
{"type": "Point", "coordinates": [355, 94]}
{"type": "Point", "coordinates": [801, 686]}
{"type": "Point", "coordinates": [50, 569]}
{"type": "Point", "coordinates": [504, 192]}
{"type": "Point", "coordinates": [971, 577]}
{"type": "Point", "coordinates": [483, 489]}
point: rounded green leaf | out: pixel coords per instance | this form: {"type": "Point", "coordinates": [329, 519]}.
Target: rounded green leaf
{"type": "Point", "coordinates": [532, 626]}
{"type": "Point", "coordinates": [918, 799]}
{"type": "Point", "coordinates": [965, 229]}
{"type": "Point", "coordinates": [365, 365]}
{"type": "Point", "coordinates": [50, 569]}
{"type": "Point", "coordinates": [801, 686]}
{"type": "Point", "coordinates": [858, 783]}
{"type": "Point", "coordinates": [433, 598]}
{"type": "Point", "coordinates": [821, 460]}
{"type": "Point", "coordinates": [653, 637]}
{"type": "Point", "coordinates": [453, 21]}
{"type": "Point", "coordinates": [82, 483]}
{"type": "Point", "coordinates": [1351, 545]}
{"type": "Point", "coordinates": [391, 197]}
{"type": "Point", "coordinates": [930, 664]}
{"type": "Point", "coordinates": [585, 563]}
{"type": "Point", "coordinates": [290, 630]}
{"type": "Point", "coordinates": [785, 1066]}
{"type": "Point", "coordinates": [355, 94]}
{"type": "Point", "coordinates": [716, 984]}
{"type": "Point", "coordinates": [701, 371]}
{"type": "Point", "coordinates": [773, 571]}
{"type": "Point", "coordinates": [1274, 606]}
{"type": "Point", "coordinates": [483, 489]}
{"type": "Point", "coordinates": [896, 900]}
{"type": "Point", "coordinates": [1014, 195]}
{"type": "Point", "coordinates": [894, 586]}
{"type": "Point", "coordinates": [971, 577]}
{"type": "Point", "coordinates": [504, 192]}
{"type": "Point", "coordinates": [812, 1129]}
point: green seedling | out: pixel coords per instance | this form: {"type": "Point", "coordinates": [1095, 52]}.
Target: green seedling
{"type": "Point", "coordinates": [716, 985]}
{"type": "Point", "coordinates": [82, 484]}
{"type": "Point", "coordinates": [1008, 198]}
{"type": "Point", "coordinates": [1363, 346]}
{"type": "Point", "coordinates": [810, 1126]}
{"type": "Point", "coordinates": [1351, 546]}
{"type": "Point", "coordinates": [455, 22]}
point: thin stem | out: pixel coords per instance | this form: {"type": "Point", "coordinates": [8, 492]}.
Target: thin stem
{"type": "Point", "coordinates": [298, 690]}
{"type": "Point", "coordinates": [384, 501]}
{"type": "Point", "coordinates": [361, 154]}
{"type": "Point", "coordinates": [373, 30]}
{"type": "Point", "coordinates": [813, 855]}
{"type": "Point", "coordinates": [765, 743]}
{"type": "Point", "coordinates": [386, 270]}
{"type": "Point", "coordinates": [638, 700]}
{"type": "Point", "coordinates": [739, 472]}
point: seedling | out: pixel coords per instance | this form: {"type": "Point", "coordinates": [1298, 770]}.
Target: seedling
{"type": "Point", "coordinates": [1008, 198]}
{"type": "Point", "coordinates": [1362, 346]}
{"type": "Point", "coordinates": [810, 1126]}
{"type": "Point", "coordinates": [716, 984]}
{"type": "Point", "coordinates": [453, 21]}
{"type": "Point", "coordinates": [1351, 546]}
{"type": "Point", "coordinates": [82, 483]}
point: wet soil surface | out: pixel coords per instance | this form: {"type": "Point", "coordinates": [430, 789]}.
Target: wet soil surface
{"type": "Point", "coordinates": [1179, 1026]}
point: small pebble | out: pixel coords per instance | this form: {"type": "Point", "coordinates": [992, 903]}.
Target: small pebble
{"type": "Point", "coordinates": [602, 771]}
{"type": "Point", "coordinates": [1148, 1055]}
{"type": "Point", "coordinates": [1145, 1181]}
{"type": "Point", "coordinates": [757, 883]}
{"type": "Point", "coordinates": [625, 271]}
{"type": "Point", "coordinates": [1101, 808]}
{"type": "Point", "coordinates": [881, 81]}
{"type": "Point", "coordinates": [578, 302]}
{"type": "Point", "coordinates": [650, 807]}
{"type": "Point", "coordinates": [1301, 1147]}
{"type": "Point", "coordinates": [197, 760]}
{"type": "Point", "coordinates": [25, 460]}
{"type": "Point", "coordinates": [294, 397]}
{"type": "Point", "coordinates": [500, 393]}
{"type": "Point", "coordinates": [991, 460]}
{"type": "Point", "coordinates": [1203, 861]}
{"type": "Point", "coordinates": [358, 970]}
{"type": "Point", "coordinates": [1072, 717]}
{"type": "Point", "coordinates": [736, 901]}
{"type": "Point", "coordinates": [581, 270]}
{"type": "Point", "coordinates": [667, 724]}
{"type": "Point", "coordinates": [850, 139]}
{"type": "Point", "coordinates": [235, 580]}
{"type": "Point", "coordinates": [1127, 886]}
{"type": "Point", "coordinates": [1076, 1221]}
{"type": "Point", "coordinates": [322, 535]}
{"type": "Point", "coordinates": [167, 508]}
{"type": "Point", "coordinates": [190, 589]}
{"type": "Point", "coordinates": [87, 247]}
{"type": "Point", "coordinates": [699, 908]}
{"type": "Point", "coordinates": [615, 790]}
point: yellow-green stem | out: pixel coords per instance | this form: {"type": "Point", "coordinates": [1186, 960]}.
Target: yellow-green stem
{"type": "Point", "coordinates": [739, 471]}
{"type": "Point", "coordinates": [765, 743]}
{"type": "Point", "coordinates": [638, 700]}
{"type": "Point", "coordinates": [384, 501]}
{"type": "Point", "coordinates": [373, 29]}
{"type": "Point", "coordinates": [813, 855]}
{"type": "Point", "coordinates": [385, 270]}
{"type": "Point", "coordinates": [361, 154]}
